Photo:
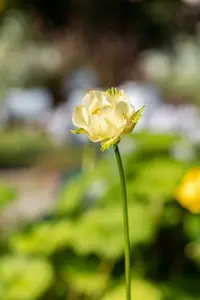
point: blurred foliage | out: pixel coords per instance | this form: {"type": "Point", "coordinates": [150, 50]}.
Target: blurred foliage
{"type": "Point", "coordinates": [24, 279]}
{"type": "Point", "coordinates": [171, 53]}
{"type": "Point", "coordinates": [20, 147]}
{"type": "Point", "coordinates": [7, 194]}
{"type": "Point", "coordinates": [26, 147]}
{"type": "Point", "coordinates": [140, 290]}
{"type": "Point", "coordinates": [77, 251]}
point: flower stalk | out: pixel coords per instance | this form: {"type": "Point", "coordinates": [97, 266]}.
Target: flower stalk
{"type": "Point", "coordinates": [104, 117]}
{"type": "Point", "coordinates": [125, 223]}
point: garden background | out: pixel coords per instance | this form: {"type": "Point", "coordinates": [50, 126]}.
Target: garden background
{"type": "Point", "coordinates": [61, 234]}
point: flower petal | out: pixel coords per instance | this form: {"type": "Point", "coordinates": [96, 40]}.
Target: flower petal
{"type": "Point", "coordinates": [80, 117]}
{"type": "Point", "coordinates": [94, 100]}
{"type": "Point", "coordinates": [126, 108]}
{"type": "Point", "coordinates": [99, 129]}
{"type": "Point", "coordinates": [114, 96]}
{"type": "Point", "coordinates": [93, 128]}
{"type": "Point", "coordinates": [113, 116]}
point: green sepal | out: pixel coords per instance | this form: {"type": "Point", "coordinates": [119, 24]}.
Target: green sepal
{"type": "Point", "coordinates": [137, 115]}
{"type": "Point", "coordinates": [109, 143]}
{"type": "Point", "coordinates": [113, 91]}
{"type": "Point", "coordinates": [78, 131]}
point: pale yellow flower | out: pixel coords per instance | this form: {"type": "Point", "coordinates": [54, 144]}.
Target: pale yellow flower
{"type": "Point", "coordinates": [188, 193]}
{"type": "Point", "coordinates": [104, 116]}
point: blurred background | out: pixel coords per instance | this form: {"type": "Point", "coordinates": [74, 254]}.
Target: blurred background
{"type": "Point", "coordinates": [61, 234]}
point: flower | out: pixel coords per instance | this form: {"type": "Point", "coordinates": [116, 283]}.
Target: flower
{"type": "Point", "coordinates": [188, 193]}
{"type": "Point", "coordinates": [104, 116]}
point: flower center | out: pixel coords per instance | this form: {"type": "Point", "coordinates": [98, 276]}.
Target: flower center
{"type": "Point", "coordinates": [96, 111]}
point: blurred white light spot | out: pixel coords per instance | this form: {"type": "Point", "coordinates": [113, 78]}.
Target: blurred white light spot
{"type": "Point", "coordinates": [192, 2]}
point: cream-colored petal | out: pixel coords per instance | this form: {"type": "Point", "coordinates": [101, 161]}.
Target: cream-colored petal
{"type": "Point", "coordinates": [94, 129]}
{"type": "Point", "coordinates": [105, 130]}
{"type": "Point", "coordinates": [126, 108]}
{"type": "Point", "coordinates": [129, 127]}
{"type": "Point", "coordinates": [80, 117]}
{"type": "Point", "coordinates": [100, 128]}
{"type": "Point", "coordinates": [94, 100]}
{"type": "Point", "coordinates": [94, 139]}
{"type": "Point", "coordinates": [85, 114]}
{"type": "Point", "coordinates": [114, 96]}
{"type": "Point", "coordinates": [116, 126]}
{"type": "Point", "coordinates": [113, 116]}
{"type": "Point", "coordinates": [124, 97]}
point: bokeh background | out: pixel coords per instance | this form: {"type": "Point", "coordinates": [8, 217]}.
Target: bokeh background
{"type": "Point", "coordinates": [61, 234]}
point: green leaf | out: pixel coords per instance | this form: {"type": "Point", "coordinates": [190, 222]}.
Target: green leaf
{"type": "Point", "coordinates": [43, 239]}
{"type": "Point", "coordinates": [192, 227]}
{"type": "Point", "coordinates": [157, 179]}
{"type": "Point", "coordinates": [72, 195]}
{"type": "Point", "coordinates": [181, 288]}
{"type": "Point", "coordinates": [141, 290]}
{"type": "Point", "coordinates": [23, 278]}
{"type": "Point", "coordinates": [85, 277]}
{"type": "Point", "coordinates": [100, 231]}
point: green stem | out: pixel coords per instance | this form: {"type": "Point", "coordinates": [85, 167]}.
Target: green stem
{"type": "Point", "coordinates": [126, 224]}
